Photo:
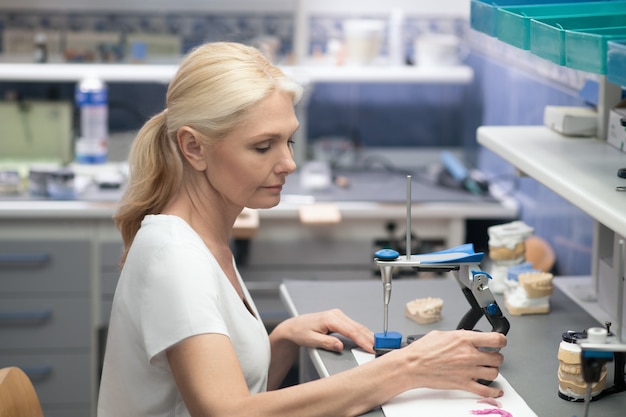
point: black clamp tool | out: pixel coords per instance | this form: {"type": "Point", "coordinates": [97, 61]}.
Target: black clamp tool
{"type": "Point", "coordinates": [463, 262]}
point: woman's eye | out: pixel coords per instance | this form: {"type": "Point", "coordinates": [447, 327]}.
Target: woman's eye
{"type": "Point", "coordinates": [262, 149]}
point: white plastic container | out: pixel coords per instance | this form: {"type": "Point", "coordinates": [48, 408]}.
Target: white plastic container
{"type": "Point", "coordinates": [363, 38]}
{"type": "Point", "coordinates": [439, 50]}
{"type": "Point", "coordinates": [92, 102]}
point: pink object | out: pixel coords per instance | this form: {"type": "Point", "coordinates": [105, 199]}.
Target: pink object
{"type": "Point", "coordinates": [493, 411]}
{"type": "Point", "coordinates": [490, 401]}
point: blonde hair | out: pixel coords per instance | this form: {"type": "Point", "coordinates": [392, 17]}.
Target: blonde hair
{"type": "Point", "coordinates": [212, 91]}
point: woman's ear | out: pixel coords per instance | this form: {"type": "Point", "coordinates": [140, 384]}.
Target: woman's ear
{"type": "Point", "coordinates": [191, 147]}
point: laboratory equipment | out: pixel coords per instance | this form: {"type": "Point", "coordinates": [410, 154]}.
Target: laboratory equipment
{"type": "Point", "coordinates": [35, 131]}
{"type": "Point", "coordinates": [598, 348]}
{"type": "Point", "coordinates": [462, 261]}
{"type": "Point", "coordinates": [60, 184]}
{"type": "Point", "coordinates": [462, 176]}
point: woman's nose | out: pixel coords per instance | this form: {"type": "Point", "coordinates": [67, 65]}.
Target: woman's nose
{"type": "Point", "coordinates": [286, 163]}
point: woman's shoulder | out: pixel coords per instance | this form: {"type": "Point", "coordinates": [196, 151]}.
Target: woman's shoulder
{"type": "Point", "coordinates": [169, 228]}
{"type": "Point", "coordinates": [163, 237]}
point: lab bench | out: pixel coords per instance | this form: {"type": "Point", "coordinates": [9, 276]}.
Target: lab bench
{"type": "Point", "coordinates": [530, 363]}
{"type": "Point", "coordinates": [59, 267]}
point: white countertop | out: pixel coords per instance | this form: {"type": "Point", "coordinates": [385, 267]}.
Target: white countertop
{"type": "Point", "coordinates": [20, 209]}
{"type": "Point", "coordinates": [55, 209]}
{"type": "Point", "coordinates": [581, 170]}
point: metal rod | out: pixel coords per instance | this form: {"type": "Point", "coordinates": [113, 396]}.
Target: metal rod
{"type": "Point", "coordinates": [587, 399]}
{"type": "Point", "coordinates": [408, 217]}
{"type": "Point", "coordinates": [386, 319]}
{"type": "Point", "coordinates": [620, 290]}
{"type": "Point", "coordinates": [385, 272]}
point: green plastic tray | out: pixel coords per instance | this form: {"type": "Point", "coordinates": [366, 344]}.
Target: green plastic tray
{"type": "Point", "coordinates": [483, 13]}
{"type": "Point", "coordinates": [513, 22]}
{"type": "Point", "coordinates": [547, 36]}
{"type": "Point", "coordinates": [586, 50]}
{"type": "Point", "coordinates": [616, 62]}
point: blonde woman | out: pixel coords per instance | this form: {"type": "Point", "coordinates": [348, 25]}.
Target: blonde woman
{"type": "Point", "coordinates": [185, 338]}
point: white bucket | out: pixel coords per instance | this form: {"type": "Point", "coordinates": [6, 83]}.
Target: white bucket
{"type": "Point", "coordinates": [363, 38]}
{"type": "Point", "coordinates": [439, 50]}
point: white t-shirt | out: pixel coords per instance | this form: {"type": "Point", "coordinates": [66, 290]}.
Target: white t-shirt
{"type": "Point", "coordinates": [171, 288]}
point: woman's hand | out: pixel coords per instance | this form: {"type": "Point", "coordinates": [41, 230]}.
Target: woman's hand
{"type": "Point", "coordinates": [457, 360]}
{"type": "Point", "coordinates": [314, 330]}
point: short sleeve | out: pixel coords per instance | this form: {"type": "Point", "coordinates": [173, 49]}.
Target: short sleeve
{"type": "Point", "coordinates": [180, 298]}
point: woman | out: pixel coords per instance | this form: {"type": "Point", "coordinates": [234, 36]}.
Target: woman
{"type": "Point", "coordinates": [185, 337]}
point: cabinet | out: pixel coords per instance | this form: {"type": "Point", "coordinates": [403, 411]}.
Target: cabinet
{"type": "Point", "coordinates": [50, 303]}
{"type": "Point", "coordinates": [111, 253]}
{"type": "Point", "coordinates": [44, 319]}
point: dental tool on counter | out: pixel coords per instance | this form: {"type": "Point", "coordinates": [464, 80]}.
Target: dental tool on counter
{"type": "Point", "coordinates": [462, 261]}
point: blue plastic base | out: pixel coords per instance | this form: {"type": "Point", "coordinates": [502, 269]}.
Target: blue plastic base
{"type": "Point", "coordinates": [391, 340]}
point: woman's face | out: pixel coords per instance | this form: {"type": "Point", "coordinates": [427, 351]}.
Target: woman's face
{"type": "Point", "coordinates": [249, 166]}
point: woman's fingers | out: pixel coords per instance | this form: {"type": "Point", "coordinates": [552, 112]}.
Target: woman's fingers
{"type": "Point", "coordinates": [338, 322]}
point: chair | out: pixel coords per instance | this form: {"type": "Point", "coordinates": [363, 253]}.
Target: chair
{"type": "Point", "coordinates": [18, 397]}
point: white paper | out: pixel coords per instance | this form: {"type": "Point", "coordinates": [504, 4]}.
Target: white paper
{"type": "Point", "coordinates": [448, 403]}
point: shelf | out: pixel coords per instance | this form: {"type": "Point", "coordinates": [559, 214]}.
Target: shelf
{"type": "Point", "coordinates": [581, 170]}
{"type": "Point", "coordinates": [484, 14]}
{"type": "Point", "coordinates": [75, 72]}
{"type": "Point", "coordinates": [514, 22]}
{"type": "Point", "coordinates": [305, 74]}
{"type": "Point", "coordinates": [570, 33]}
{"type": "Point", "coordinates": [458, 74]}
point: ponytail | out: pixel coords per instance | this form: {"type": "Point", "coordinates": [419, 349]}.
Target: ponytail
{"type": "Point", "coordinates": [155, 170]}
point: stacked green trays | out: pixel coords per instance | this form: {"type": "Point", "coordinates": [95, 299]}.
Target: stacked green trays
{"type": "Point", "coordinates": [483, 13]}
{"type": "Point", "coordinates": [616, 62]}
{"type": "Point", "coordinates": [547, 36]}
{"type": "Point", "coordinates": [587, 50]}
{"type": "Point", "coordinates": [513, 23]}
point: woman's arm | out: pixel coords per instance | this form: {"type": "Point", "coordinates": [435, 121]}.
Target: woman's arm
{"type": "Point", "coordinates": [211, 382]}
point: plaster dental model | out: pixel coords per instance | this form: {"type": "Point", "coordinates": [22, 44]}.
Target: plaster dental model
{"type": "Point", "coordinates": [572, 386]}
{"type": "Point", "coordinates": [506, 248]}
{"type": "Point", "coordinates": [424, 310]}
{"type": "Point", "coordinates": [530, 294]}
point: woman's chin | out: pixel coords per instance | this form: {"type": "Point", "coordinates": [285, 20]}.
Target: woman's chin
{"type": "Point", "coordinates": [266, 204]}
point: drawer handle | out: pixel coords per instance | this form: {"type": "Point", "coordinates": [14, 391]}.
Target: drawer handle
{"type": "Point", "coordinates": [23, 317]}
{"type": "Point", "coordinates": [38, 372]}
{"type": "Point", "coordinates": [12, 259]}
